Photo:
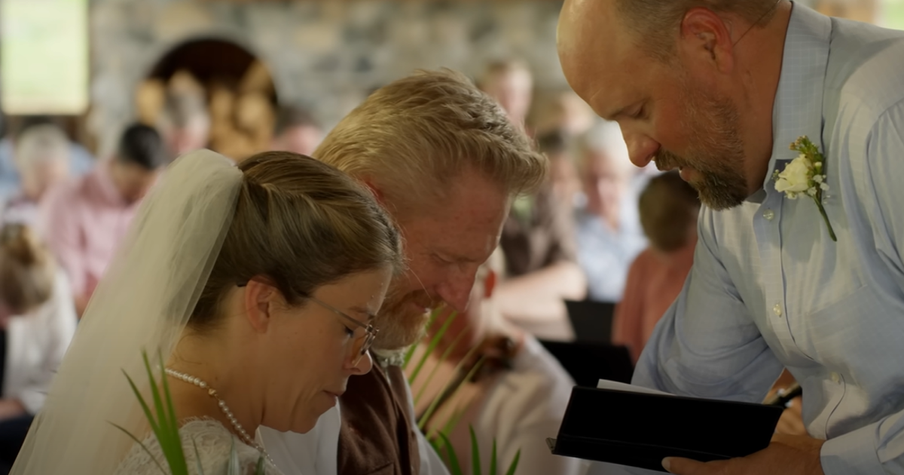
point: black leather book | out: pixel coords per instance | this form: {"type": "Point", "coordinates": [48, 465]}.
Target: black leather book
{"type": "Point", "coordinates": [640, 429]}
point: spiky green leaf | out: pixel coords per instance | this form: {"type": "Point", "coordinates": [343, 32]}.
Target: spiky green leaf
{"type": "Point", "coordinates": [514, 465]}
{"type": "Point", "coordinates": [475, 453]}
{"type": "Point", "coordinates": [454, 467]}
{"type": "Point", "coordinates": [143, 447]}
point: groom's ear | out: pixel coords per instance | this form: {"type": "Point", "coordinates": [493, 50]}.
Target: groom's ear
{"type": "Point", "coordinates": [259, 301]}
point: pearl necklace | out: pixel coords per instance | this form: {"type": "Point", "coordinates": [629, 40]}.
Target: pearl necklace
{"type": "Point", "coordinates": [223, 407]}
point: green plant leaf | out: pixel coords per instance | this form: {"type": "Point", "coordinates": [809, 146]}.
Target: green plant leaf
{"type": "Point", "coordinates": [411, 349]}
{"type": "Point", "coordinates": [493, 459]}
{"type": "Point", "coordinates": [164, 430]}
{"type": "Point", "coordinates": [454, 419]}
{"type": "Point", "coordinates": [475, 453]}
{"type": "Point", "coordinates": [175, 460]}
{"type": "Point", "coordinates": [168, 433]}
{"type": "Point", "coordinates": [259, 470]}
{"type": "Point", "coordinates": [443, 396]}
{"type": "Point", "coordinates": [514, 465]}
{"type": "Point", "coordinates": [144, 406]}
{"type": "Point", "coordinates": [143, 447]}
{"type": "Point", "coordinates": [454, 467]}
{"type": "Point", "coordinates": [436, 367]}
{"type": "Point", "coordinates": [437, 445]}
{"type": "Point", "coordinates": [172, 423]}
{"type": "Point", "coordinates": [431, 348]}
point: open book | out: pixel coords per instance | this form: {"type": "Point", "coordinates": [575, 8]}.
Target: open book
{"type": "Point", "coordinates": [629, 425]}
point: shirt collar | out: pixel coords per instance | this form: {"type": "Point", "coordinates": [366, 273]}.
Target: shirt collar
{"type": "Point", "coordinates": [797, 109]}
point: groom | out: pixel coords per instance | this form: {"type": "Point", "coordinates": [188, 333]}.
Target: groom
{"type": "Point", "coordinates": [719, 89]}
{"type": "Point", "coordinates": [443, 158]}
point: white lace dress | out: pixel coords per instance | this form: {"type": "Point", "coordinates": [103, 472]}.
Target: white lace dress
{"type": "Point", "coordinates": [214, 444]}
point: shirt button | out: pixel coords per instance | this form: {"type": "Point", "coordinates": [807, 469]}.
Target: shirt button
{"type": "Point", "coordinates": [769, 214]}
{"type": "Point", "coordinates": [777, 310]}
{"type": "Point", "coordinates": [836, 378]}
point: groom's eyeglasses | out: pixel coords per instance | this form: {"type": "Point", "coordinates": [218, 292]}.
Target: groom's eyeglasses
{"type": "Point", "coordinates": [360, 345]}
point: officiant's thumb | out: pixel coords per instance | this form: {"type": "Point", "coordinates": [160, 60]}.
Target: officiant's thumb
{"type": "Point", "coordinates": [666, 464]}
{"type": "Point", "coordinates": [683, 466]}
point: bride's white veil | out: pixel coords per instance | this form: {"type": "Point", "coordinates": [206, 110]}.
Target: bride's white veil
{"type": "Point", "coordinates": [142, 303]}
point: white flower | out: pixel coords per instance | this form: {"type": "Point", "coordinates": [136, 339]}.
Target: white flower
{"type": "Point", "coordinates": [824, 187]}
{"type": "Point", "coordinates": [795, 178]}
{"type": "Point", "coordinates": [818, 178]}
{"type": "Point", "coordinates": [812, 191]}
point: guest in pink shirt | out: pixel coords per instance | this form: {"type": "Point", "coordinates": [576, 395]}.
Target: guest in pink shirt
{"type": "Point", "coordinates": [84, 220]}
{"type": "Point", "coordinates": [668, 215]}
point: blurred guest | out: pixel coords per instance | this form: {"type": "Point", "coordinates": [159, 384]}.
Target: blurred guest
{"type": "Point", "coordinates": [564, 111]}
{"type": "Point", "coordinates": [563, 172]}
{"type": "Point", "coordinates": [541, 269]}
{"type": "Point", "coordinates": [184, 123]}
{"type": "Point", "coordinates": [609, 235]}
{"type": "Point", "coordinates": [668, 215]}
{"type": "Point", "coordinates": [43, 160]}
{"type": "Point", "coordinates": [511, 84]}
{"type": "Point", "coordinates": [81, 161]}
{"type": "Point", "coordinates": [516, 396]}
{"type": "Point", "coordinates": [37, 321]}
{"type": "Point", "coordinates": [84, 221]}
{"type": "Point", "coordinates": [296, 131]}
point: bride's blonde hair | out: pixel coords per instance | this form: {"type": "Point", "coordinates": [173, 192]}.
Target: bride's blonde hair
{"type": "Point", "coordinates": [301, 224]}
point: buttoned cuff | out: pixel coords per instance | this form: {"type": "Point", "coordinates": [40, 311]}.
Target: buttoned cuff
{"type": "Point", "coordinates": [854, 453]}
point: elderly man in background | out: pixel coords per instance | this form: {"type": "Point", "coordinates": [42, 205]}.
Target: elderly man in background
{"type": "Point", "coordinates": [43, 159]}
{"type": "Point", "coordinates": [443, 158]}
{"type": "Point", "coordinates": [80, 160]}
{"type": "Point", "coordinates": [720, 89]}
{"type": "Point", "coordinates": [609, 235]}
{"type": "Point", "coordinates": [538, 241]}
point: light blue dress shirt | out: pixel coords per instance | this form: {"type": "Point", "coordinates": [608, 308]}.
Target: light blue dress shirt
{"type": "Point", "coordinates": [769, 289]}
{"type": "Point", "coordinates": [605, 254]}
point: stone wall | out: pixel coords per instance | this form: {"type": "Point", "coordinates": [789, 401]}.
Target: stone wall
{"type": "Point", "coordinates": [328, 54]}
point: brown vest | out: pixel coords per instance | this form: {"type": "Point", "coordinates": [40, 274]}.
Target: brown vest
{"type": "Point", "coordinates": [376, 436]}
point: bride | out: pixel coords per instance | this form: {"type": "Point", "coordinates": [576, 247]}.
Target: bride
{"type": "Point", "coordinates": [256, 284]}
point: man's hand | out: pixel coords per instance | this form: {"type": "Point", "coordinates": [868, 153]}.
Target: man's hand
{"type": "Point", "coordinates": [787, 454]}
{"type": "Point", "coordinates": [792, 422]}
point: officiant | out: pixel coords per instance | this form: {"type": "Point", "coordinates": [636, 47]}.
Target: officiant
{"type": "Point", "coordinates": [800, 259]}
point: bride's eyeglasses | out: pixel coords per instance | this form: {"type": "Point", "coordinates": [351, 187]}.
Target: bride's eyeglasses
{"type": "Point", "coordinates": [359, 345]}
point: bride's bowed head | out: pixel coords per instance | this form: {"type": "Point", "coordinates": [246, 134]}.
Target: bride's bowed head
{"type": "Point", "coordinates": [256, 284]}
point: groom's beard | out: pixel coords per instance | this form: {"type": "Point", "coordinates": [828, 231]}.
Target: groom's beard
{"type": "Point", "coordinates": [717, 150]}
{"type": "Point", "coordinates": [401, 323]}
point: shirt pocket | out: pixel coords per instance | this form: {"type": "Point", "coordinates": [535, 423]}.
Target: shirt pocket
{"type": "Point", "coordinates": [844, 329]}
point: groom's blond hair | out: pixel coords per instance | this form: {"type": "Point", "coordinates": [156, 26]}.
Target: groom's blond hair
{"type": "Point", "coordinates": [411, 137]}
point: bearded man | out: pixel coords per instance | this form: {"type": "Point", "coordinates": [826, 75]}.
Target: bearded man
{"type": "Point", "coordinates": [720, 89]}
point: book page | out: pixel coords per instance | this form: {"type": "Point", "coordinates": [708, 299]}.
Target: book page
{"type": "Point", "coordinates": [616, 386]}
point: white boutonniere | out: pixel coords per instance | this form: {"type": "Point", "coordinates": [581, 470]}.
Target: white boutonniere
{"type": "Point", "coordinates": [805, 175]}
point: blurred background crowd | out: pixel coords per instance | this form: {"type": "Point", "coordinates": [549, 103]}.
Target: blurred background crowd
{"type": "Point", "coordinates": [99, 96]}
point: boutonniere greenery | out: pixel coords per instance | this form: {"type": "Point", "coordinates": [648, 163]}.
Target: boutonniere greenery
{"type": "Point", "coordinates": [805, 176]}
